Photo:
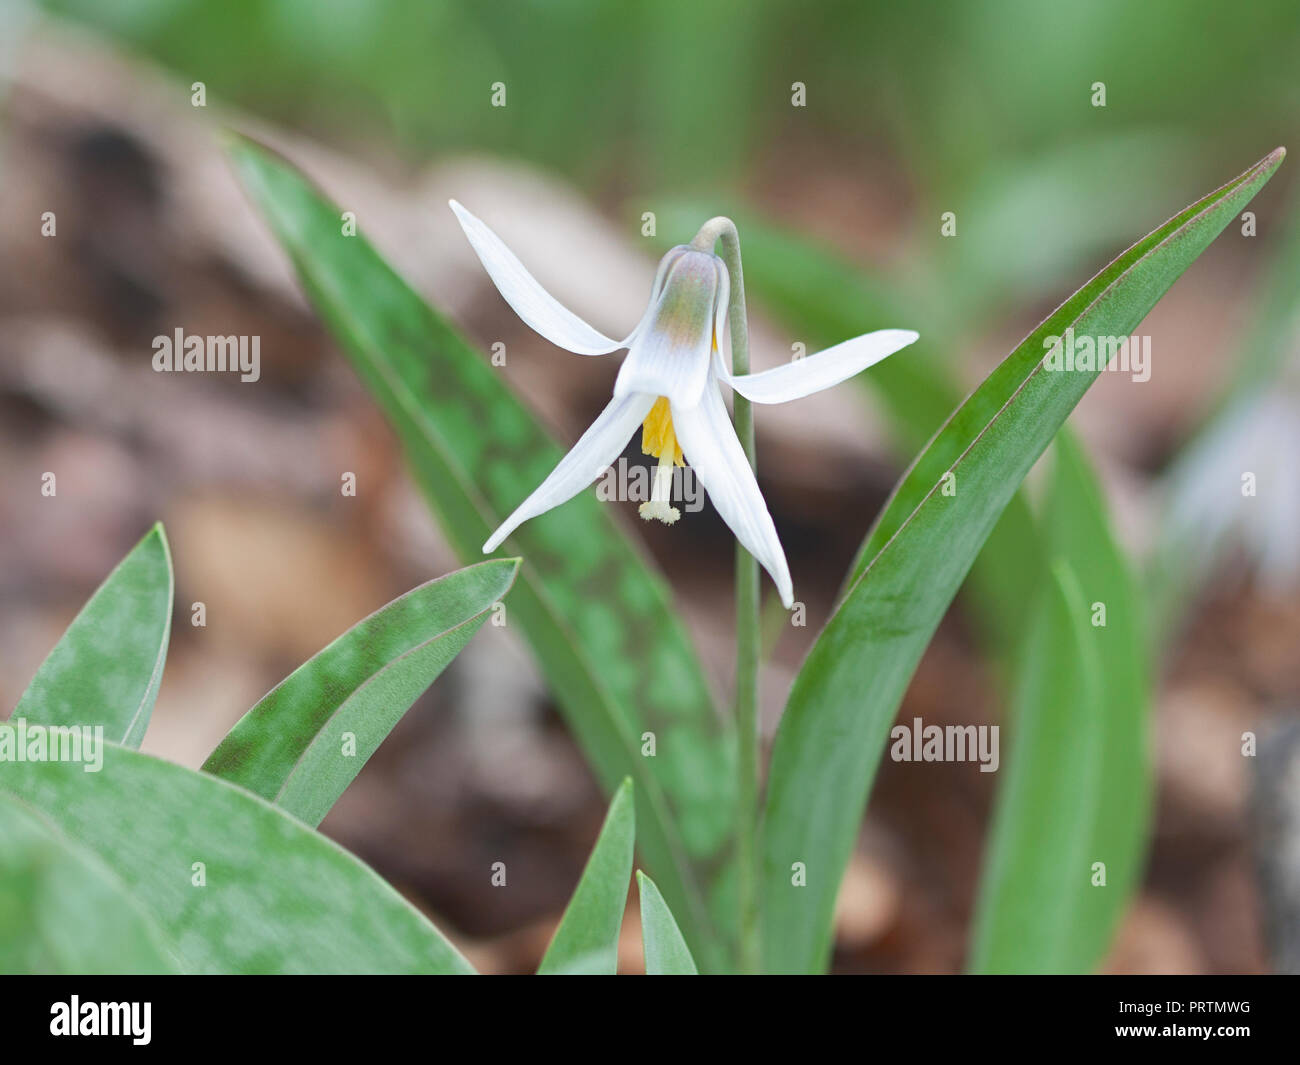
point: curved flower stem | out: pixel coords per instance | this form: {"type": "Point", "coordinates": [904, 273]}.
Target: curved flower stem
{"type": "Point", "coordinates": [747, 627]}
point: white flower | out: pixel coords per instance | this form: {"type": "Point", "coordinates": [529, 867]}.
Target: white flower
{"type": "Point", "coordinates": [669, 385]}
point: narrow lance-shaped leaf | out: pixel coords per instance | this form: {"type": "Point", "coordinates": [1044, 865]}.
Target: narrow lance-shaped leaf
{"type": "Point", "coordinates": [233, 884]}
{"type": "Point", "coordinates": [1079, 533]}
{"type": "Point", "coordinates": [666, 952]}
{"type": "Point", "coordinates": [306, 740]}
{"type": "Point", "coordinates": [586, 943]}
{"type": "Point", "coordinates": [846, 694]}
{"type": "Point", "coordinates": [62, 910]}
{"type": "Point", "coordinates": [599, 621]}
{"type": "Point", "coordinates": [106, 668]}
{"type": "Point", "coordinates": [1040, 855]}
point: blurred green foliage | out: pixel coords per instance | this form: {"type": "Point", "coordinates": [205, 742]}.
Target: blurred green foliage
{"type": "Point", "coordinates": [678, 95]}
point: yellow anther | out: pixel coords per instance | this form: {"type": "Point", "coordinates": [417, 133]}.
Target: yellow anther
{"type": "Point", "coordinates": [657, 435]}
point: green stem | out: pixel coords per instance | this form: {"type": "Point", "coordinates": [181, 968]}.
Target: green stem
{"type": "Point", "coordinates": [747, 623]}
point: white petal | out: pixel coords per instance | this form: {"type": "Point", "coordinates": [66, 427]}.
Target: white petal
{"type": "Point", "coordinates": [537, 307]}
{"type": "Point", "coordinates": [710, 445]}
{"type": "Point", "coordinates": [720, 319]}
{"type": "Point", "coordinates": [816, 372]}
{"type": "Point", "coordinates": [598, 447]}
{"type": "Point", "coordinates": [669, 353]}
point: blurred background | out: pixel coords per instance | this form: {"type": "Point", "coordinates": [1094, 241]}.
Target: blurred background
{"type": "Point", "coordinates": [683, 110]}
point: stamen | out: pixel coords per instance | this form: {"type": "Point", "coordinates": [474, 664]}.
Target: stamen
{"type": "Point", "coordinates": [657, 435]}
{"type": "Point", "coordinates": [661, 494]}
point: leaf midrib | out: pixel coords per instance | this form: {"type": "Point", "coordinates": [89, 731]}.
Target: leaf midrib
{"type": "Point", "coordinates": [160, 658]}
{"type": "Point", "coordinates": [391, 664]}
{"type": "Point", "coordinates": [1209, 202]}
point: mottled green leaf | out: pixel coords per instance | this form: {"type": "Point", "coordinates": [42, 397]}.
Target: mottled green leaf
{"type": "Point", "coordinates": [235, 884]}
{"type": "Point", "coordinates": [106, 668]}
{"type": "Point", "coordinates": [306, 740]}
{"type": "Point", "coordinates": [62, 910]}
{"type": "Point", "coordinates": [598, 618]}
{"type": "Point", "coordinates": [846, 694]}
{"type": "Point", "coordinates": [666, 952]}
{"type": "Point", "coordinates": [586, 943]}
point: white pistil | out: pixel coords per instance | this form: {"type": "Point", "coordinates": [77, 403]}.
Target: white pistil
{"type": "Point", "coordinates": [661, 493]}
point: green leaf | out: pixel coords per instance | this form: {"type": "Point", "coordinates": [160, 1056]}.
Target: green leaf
{"type": "Point", "coordinates": [1039, 860]}
{"type": "Point", "coordinates": [666, 952]}
{"type": "Point", "coordinates": [106, 668]}
{"type": "Point", "coordinates": [1057, 815]}
{"type": "Point", "coordinates": [289, 748]}
{"type": "Point", "coordinates": [1080, 534]}
{"type": "Point", "coordinates": [62, 911]}
{"type": "Point", "coordinates": [599, 620]}
{"type": "Point", "coordinates": [846, 694]}
{"type": "Point", "coordinates": [586, 943]}
{"type": "Point", "coordinates": [275, 896]}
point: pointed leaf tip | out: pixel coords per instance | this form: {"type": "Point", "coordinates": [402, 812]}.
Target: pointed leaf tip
{"type": "Point", "coordinates": [665, 951]}
{"type": "Point", "coordinates": [107, 667]}
{"type": "Point", "coordinates": [835, 726]}
{"type": "Point", "coordinates": [284, 748]}
{"type": "Point", "coordinates": [586, 942]}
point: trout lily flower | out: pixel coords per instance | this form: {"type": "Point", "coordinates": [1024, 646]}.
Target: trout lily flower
{"type": "Point", "coordinates": [670, 386]}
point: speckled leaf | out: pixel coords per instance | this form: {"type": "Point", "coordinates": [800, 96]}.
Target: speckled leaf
{"type": "Point", "coordinates": [290, 748]}
{"type": "Point", "coordinates": [106, 668]}
{"type": "Point", "coordinates": [846, 694]}
{"type": "Point", "coordinates": [586, 942]}
{"type": "Point", "coordinates": [62, 911]}
{"type": "Point", "coordinates": [666, 952]}
{"type": "Point", "coordinates": [275, 897]}
{"type": "Point", "coordinates": [598, 618]}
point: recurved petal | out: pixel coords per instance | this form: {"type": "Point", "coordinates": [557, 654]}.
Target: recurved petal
{"type": "Point", "coordinates": [598, 447]}
{"type": "Point", "coordinates": [813, 373]}
{"type": "Point", "coordinates": [722, 307]}
{"type": "Point", "coordinates": [709, 442]}
{"type": "Point", "coordinates": [537, 307]}
{"type": "Point", "coordinates": [669, 354]}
